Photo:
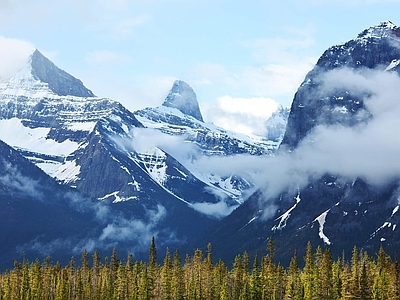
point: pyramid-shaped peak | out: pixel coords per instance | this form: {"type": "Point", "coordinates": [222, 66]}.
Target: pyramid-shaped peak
{"type": "Point", "coordinates": [183, 98]}
{"type": "Point", "coordinates": [59, 81]}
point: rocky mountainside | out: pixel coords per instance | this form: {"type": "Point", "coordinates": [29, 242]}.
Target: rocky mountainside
{"type": "Point", "coordinates": [146, 171]}
{"type": "Point", "coordinates": [199, 140]}
{"type": "Point", "coordinates": [335, 178]}
{"type": "Point", "coordinates": [38, 215]}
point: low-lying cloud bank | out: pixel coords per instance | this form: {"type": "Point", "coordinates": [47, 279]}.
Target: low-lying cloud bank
{"type": "Point", "coordinates": [369, 150]}
{"type": "Point", "coordinates": [114, 230]}
{"type": "Point", "coordinates": [14, 56]}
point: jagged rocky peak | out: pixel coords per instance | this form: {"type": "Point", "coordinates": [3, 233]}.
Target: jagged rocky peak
{"type": "Point", "coordinates": [376, 48]}
{"type": "Point", "coordinates": [183, 98]}
{"type": "Point", "coordinates": [59, 81]}
{"type": "Point", "coordinates": [383, 29]}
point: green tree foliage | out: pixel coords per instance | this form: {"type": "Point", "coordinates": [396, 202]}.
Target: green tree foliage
{"type": "Point", "coordinates": [198, 278]}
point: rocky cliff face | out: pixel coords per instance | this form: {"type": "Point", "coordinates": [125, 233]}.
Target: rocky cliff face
{"type": "Point", "coordinates": [60, 82]}
{"type": "Point", "coordinates": [330, 206]}
{"type": "Point", "coordinates": [183, 98]}
{"type": "Point", "coordinates": [142, 172]}
{"type": "Point", "coordinates": [376, 47]}
{"type": "Point", "coordinates": [37, 215]}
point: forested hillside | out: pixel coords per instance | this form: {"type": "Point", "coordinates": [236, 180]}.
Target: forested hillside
{"type": "Point", "coordinates": [198, 277]}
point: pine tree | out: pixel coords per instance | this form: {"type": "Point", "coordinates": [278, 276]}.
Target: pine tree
{"type": "Point", "coordinates": [220, 278]}
{"type": "Point", "coordinates": [197, 273]}
{"type": "Point", "coordinates": [96, 286]}
{"type": "Point", "coordinates": [178, 285]}
{"type": "Point", "coordinates": [325, 277]}
{"type": "Point", "coordinates": [207, 277]}
{"type": "Point", "coordinates": [364, 293]}
{"type": "Point", "coordinates": [355, 274]}
{"type": "Point", "coordinates": [121, 284]}
{"type": "Point", "coordinates": [25, 288]}
{"type": "Point", "coordinates": [166, 277]}
{"type": "Point", "coordinates": [35, 276]}
{"type": "Point", "coordinates": [152, 271]}
{"type": "Point", "coordinates": [237, 276]}
{"type": "Point", "coordinates": [336, 279]}
{"type": "Point", "coordinates": [255, 281]}
{"type": "Point", "coordinates": [144, 288]}
{"type": "Point", "coordinates": [309, 274]}
{"type": "Point", "coordinates": [280, 283]}
{"type": "Point", "coordinates": [85, 276]}
{"type": "Point", "coordinates": [381, 282]}
{"type": "Point", "coordinates": [294, 286]}
{"type": "Point", "coordinates": [347, 291]}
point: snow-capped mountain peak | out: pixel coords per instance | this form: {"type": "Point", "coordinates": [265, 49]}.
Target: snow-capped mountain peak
{"type": "Point", "coordinates": [382, 30]}
{"type": "Point", "coordinates": [37, 77]}
{"type": "Point", "coordinates": [183, 98]}
{"type": "Point", "coordinates": [59, 81]}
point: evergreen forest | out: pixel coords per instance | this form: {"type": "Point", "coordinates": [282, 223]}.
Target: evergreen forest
{"type": "Point", "coordinates": [314, 276]}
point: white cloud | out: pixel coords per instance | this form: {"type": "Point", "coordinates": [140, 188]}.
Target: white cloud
{"type": "Point", "coordinates": [140, 231]}
{"type": "Point", "coordinates": [245, 115]}
{"type": "Point", "coordinates": [206, 72]}
{"type": "Point", "coordinates": [134, 92]}
{"type": "Point", "coordinates": [369, 150]}
{"type": "Point", "coordinates": [281, 65]}
{"type": "Point", "coordinates": [280, 50]}
{"type": "Point", "coordinates": [14, 55]}
{"type": "Point", "coordinates": [217, 210]}
{"type": "Point", "coordinates": [275, 80]}
{"type": "Point", "coordinates": [126, 27]}
{"type": "Point", "coordinates": [107, 57]}
{"type": "Point", "coordinates": [112, 27]}
{"type": "Point", "coordinates": [14, 180]}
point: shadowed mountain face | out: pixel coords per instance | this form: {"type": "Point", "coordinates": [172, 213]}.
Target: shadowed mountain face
{"type": "Point", "coordinates": [183, 98]}
{"type": "Point", "coordinates": [375, 48]}
{"type": "Point", "coordinates": [111, 177]}
{"type": "Point", "coordinates": [39, 217]}
{"type": "Point", "coordinates": [335, 179]}
{"type": "Point", "coordinates": [59, 81]}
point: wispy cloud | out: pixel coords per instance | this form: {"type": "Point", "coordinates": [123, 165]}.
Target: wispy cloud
{"type": "Point", "coordinates": [14, 56]}
{"type": "Point", "coordinates": [115, 28]}
{"type": "Point", "coordinates": [126, 27]}
{"type": "Point", "coordinates": [132, 234]}
{"type": "Point", "coordinates": [106, 57]}
{"type": "Point", "coordinates": [218, 210]}
{"type": "Point", "coordinates": [245, 115]}
{"type": "Point", "coordinates": [368, 150]}
{"type": "Point", "coordinates": [13, 179]}
{"type": "Point", "coordinates": [135, 230]}
{"type": "Point", "coordinates": [282, 64]}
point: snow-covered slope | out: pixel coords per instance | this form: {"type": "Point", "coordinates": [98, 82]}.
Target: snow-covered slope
{"type": "Point", "coordinates": [85, 142]}
{"type": "Point", "coordinates": [336, 182]}
{"type": "Point", "coordinates": [200, 139]}
{"type": "Point", "coordinates": [156, 172]}
{"type": "Point", "coordinates": [100, 148]}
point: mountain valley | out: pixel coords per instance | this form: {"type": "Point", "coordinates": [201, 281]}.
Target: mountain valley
{"type": "Point", "coordinates": [83, 172]}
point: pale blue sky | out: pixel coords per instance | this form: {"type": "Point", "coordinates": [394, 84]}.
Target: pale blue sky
{"type": "Point", "coordinates": [248, 51]}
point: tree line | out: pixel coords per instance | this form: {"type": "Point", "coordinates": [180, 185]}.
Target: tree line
{"type": "Point", "coordinates": [363, 277]}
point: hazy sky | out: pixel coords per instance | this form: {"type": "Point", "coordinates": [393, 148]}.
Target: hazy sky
{"type": "Point", "coordinates": [237, 55]}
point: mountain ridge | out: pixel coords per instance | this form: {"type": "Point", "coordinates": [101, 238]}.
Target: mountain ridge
{"type": "Point", "coordinates": [115, 158]}
{"type": "Point", "coordinates": [319, 189]}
